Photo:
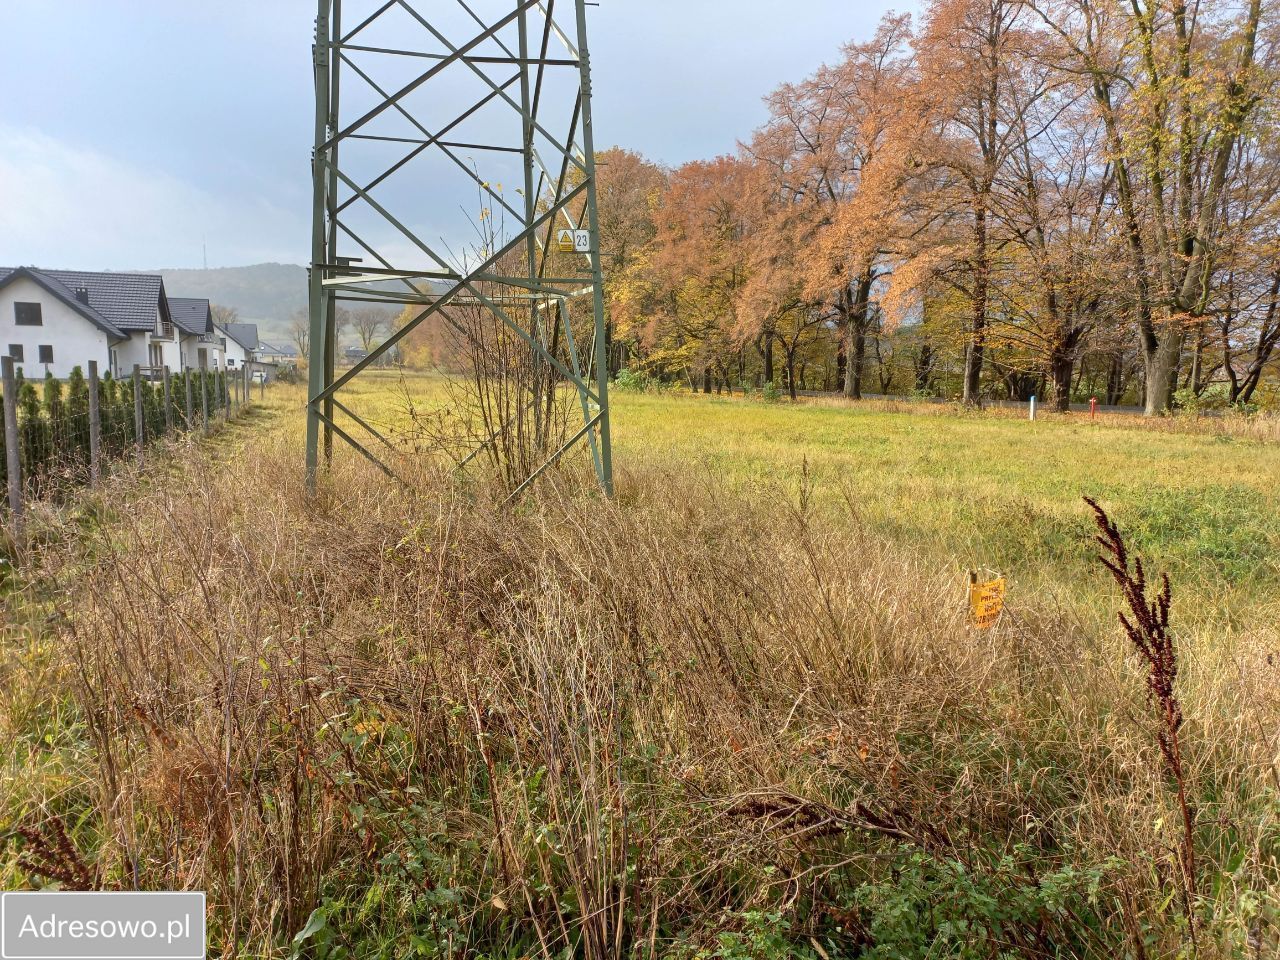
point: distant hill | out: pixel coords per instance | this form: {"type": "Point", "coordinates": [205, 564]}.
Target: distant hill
{"type": "Point", "coordinates": [263, 292]}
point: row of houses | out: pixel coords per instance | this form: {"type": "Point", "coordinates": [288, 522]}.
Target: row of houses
{"type": "Point", "coordinates": [54, 320]}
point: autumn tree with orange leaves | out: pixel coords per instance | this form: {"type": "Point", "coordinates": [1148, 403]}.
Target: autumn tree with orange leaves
{"type": "Point", "coordinates": [1000, 198]}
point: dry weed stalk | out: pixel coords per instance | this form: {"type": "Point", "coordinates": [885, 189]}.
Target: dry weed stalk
{"type": "Point", "coordinates": [1147, 627]}
{"type": "Point", "coordinates": [51, 855]}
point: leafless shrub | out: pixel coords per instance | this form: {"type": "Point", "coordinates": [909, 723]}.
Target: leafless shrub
{"type": "Point", "coordinates": [511, 403]}
{"type": "Point", "coordinates": [508, 403]}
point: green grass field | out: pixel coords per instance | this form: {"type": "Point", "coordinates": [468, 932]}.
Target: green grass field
{"type": "Point", "coordinates": [973, 490]}
{"type": "Point", "coordinates": [989, 490]}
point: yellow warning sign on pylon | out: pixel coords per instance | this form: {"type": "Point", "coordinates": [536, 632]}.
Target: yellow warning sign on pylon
{"type": "Point", "coordinates": [564, 241]}
{"type": "Point", "coordinates": [986, 600]}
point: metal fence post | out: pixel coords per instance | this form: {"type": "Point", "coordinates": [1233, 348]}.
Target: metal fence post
{"type": "Point", "coordinates": [13, 460]}
{"type": "Point", "coordinates": [137, 409]}
{"type": "Point", "coordinates": [168, 403]}
{"type": "Point", "coordinates": [204, 401]}
{"type": "Point", "coordinates": [95, 426]}
{"type": "Point", "coordinates": [262, 387]}
{"type": "Point", "coordinates": [247, 384]}
{"type": "Point", "coordinates": [191, 403]}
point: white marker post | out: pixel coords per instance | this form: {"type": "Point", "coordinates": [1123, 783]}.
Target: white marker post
{"type": "Point", "coordinates": [1033, 406]}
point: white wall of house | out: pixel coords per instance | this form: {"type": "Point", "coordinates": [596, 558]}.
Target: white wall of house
{"type": "Point", "coordinates": [74, 339]}
{"type": "Point", "coordinates": [129, 352]}
{"type": "Point", "coordinates": [168, 351]}
{"type": "Point", "coordinates": [137, 349]}
{"type": "Point", "coordinates": [236, 355]}
{"type": "Point", "coordinates": [191, 347]}
{"type": "Point", "coordinates": [148, 349]}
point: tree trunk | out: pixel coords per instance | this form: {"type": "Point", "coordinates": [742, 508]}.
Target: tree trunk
{"type": "Point", "coordinates": [1160, 363]}
{"type": "Point", "coordinates": [856, 336]}
{"type": "Point", "coordinates": [858, 362]}
{"type": "Point", "coordinates": [610, 350]}
{"type": "Point", "coordinates": [791, 372]}
{"type": "Point", "coordinates": [706, 379]}
{"type": "Point", "coordinates": [1115, 379]}
{"type": "Point", "coordinates": [766, 353]}
{"type": "Point", "coordinates": [924, 367]}
{"type": "Point", "coordinates": [1062, 367]}
{"type": "Point", "coordinates": [1195, 376]}
{"type": "Point", "coordinates": [1062, 362]}
{"type": "Point", "coordinates": [978, 324]}
{"type": "Point", "coordinates": [1268, 338]}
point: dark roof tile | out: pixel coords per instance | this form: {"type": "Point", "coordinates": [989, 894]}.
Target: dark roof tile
{"type": "Point", "coordinates": [245, 334]}
{"type": "Point", "coordinates": [127, 300]}
{"type": "Point", "coordinates": [191, 315]}
{"type": "Point", "coordinates": [56, 285]}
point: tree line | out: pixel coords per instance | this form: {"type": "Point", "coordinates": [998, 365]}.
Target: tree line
{"type": "Point", "coordinates": [1001, 198]}
{"type": "Point", "coordinates": [369, 325]}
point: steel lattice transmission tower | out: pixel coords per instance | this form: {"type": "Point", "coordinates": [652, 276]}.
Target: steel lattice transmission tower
{"type": "Point", "coordinates": [476, 91]}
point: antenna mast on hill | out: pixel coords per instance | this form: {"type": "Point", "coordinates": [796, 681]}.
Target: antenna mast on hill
{"type": "Point", "coordinates": [476, 90]}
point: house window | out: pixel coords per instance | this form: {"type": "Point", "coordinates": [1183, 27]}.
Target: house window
{"type": "Point", "coordinates": [15, 351]}
{"type": "Point", "coordinates": [46, 353]}
{"type": "Point", "coordinates": [27, 314]}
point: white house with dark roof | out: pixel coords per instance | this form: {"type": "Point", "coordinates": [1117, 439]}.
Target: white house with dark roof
{"type": "Point", "coordinates": [55, 320]}
{"type": "Point", "coordinates": [242, 343]}
{"type": "Point", "coordinates": [47, 326]}
{"type": "Point", "coordinates": [201, 346]}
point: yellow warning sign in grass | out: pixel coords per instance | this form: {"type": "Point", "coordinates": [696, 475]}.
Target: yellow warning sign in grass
{"type": "Point", "coordinates": [986, 600]}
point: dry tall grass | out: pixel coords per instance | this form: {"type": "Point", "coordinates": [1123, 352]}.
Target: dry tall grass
{"type": "Point", "coordinates": [679, 724]}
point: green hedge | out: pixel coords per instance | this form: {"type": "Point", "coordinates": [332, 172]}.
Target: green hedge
{"type": "Point", "coordinates": [53, 421]}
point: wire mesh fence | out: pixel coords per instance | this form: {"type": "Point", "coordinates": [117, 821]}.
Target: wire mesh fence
{"type": "Point", "coordinates": [64, 439]}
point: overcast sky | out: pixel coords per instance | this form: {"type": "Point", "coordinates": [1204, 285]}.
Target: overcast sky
{"type": "Point", "coordinates": [134, 131]}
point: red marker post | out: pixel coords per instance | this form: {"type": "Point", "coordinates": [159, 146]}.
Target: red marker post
{"type": "Point", "coordinates": [1093, 408]}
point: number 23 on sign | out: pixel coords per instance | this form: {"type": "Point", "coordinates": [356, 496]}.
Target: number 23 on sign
{"type": "Point", "coordinates": [573, 241]}
{"type": "Point", "coordinates": [986, 600]}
